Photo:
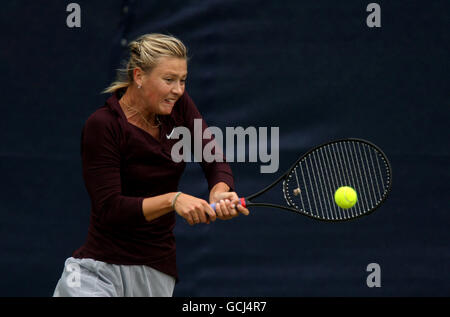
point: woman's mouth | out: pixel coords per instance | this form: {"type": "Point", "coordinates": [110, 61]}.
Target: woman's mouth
{"type": "Point", "coordinates": [170, 101]}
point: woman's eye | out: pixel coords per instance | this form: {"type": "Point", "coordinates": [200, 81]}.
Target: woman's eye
{"type": "Point", "coordinates": [171, 80]}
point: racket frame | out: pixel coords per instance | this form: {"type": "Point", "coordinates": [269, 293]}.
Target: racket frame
{"type": "Point", "coordinates": [247, 201]}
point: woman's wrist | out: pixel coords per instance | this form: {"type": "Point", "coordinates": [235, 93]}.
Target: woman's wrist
{"type": "Point", "coordinates": [174, 199]}
{"type": "Point", "coordinates": [157, 206]}
{"type": "Point", "coordinates": [218, 188]}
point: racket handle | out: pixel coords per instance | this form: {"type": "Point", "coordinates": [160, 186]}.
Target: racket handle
{"type": "Point", "coordinates": [242, 202]}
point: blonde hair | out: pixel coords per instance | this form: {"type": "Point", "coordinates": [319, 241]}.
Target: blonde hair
{"type": "Point", "coordinates": [144, 53]}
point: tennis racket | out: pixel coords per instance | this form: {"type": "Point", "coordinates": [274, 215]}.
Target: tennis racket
{"type": "Point", "coordinates": [309, 185]}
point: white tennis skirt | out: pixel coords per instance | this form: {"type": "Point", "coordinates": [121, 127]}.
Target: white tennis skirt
{"type": "Point", "coordinates": [91, 278]}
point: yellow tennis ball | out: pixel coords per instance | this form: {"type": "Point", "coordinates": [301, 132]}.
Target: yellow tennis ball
{"type": "Point", "coordinates": [345, 197]}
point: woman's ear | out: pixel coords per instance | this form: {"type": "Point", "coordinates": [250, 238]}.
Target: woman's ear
{"type": "Point", "coordinates": [138, 75]}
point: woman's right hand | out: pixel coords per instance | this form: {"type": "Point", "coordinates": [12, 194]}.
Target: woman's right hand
{"type": "Point", "coordinates": [194, 210]}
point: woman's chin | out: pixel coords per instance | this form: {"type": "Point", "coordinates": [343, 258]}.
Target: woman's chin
{"type": "Point", "coordinates": [165, 109]}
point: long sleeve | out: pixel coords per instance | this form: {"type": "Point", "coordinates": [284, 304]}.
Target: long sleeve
{"type": "Point", "coordinates": [215, 172]}
{"type": "Point", "coordinates": [100, 153]}
{"type": "Point", "coordinates": [123, 165]}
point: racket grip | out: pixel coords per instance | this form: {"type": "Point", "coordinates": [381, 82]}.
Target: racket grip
{"type": "Point", "coordinates": [242, 202]}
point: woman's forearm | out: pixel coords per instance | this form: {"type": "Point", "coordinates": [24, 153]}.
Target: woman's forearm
{"type": "Point", "coordinates": [154, 207]}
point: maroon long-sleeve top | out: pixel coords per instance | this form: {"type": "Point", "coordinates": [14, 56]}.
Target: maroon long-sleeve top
{"type": "Point", "coordinates": [123, 165]}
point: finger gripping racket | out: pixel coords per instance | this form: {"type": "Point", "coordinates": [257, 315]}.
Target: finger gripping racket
{"type": "Point", "coordinates": [310, 184]}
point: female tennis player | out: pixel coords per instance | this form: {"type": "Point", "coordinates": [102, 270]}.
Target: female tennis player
{"type": "Point", "coordinates": [133, 182]}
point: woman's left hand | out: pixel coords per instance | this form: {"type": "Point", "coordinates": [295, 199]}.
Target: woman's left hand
{"type": "Point", "coordinates": [227, 205]}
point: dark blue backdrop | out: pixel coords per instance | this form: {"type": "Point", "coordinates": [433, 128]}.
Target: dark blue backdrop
{"type": "Point", "coordinates": [312, 68]}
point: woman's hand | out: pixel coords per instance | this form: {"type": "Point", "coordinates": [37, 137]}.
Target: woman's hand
{"type": "Point", "coordinates": [227, 205]}
{"type": "Point", "coordinates": [194, 210]}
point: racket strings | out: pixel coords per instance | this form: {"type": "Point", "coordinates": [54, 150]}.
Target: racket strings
{"type": "Point", "coordinates": [311, 184]}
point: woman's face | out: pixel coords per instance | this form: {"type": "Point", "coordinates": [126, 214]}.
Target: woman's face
{"type": "Point", "coordinates": [164, 85]}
